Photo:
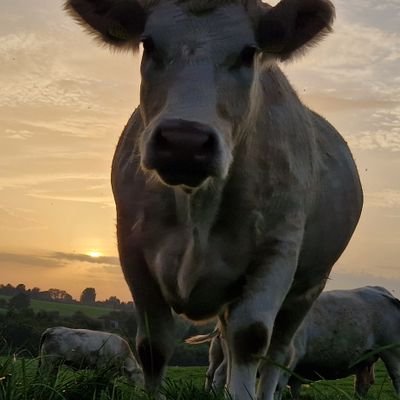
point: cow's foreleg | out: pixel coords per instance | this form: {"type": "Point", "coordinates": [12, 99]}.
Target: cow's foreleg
{"type": "Point", "coordinates": [155, 336]}
{"type": "Point", "coordinates": [281, 350]}
{"type": "Point", "coordinates": [250, 321]}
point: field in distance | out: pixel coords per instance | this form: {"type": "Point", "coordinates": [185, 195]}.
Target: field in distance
{"type": "Point", "coordinates": [64, 309]}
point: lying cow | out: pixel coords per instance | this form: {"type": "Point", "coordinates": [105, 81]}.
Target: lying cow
{"type": "Point", "coordinates": [83, 348]}
{"type": "Point", "coordinates": [233, 199]}
{"type": "Point", "coordinates": [342, 327]}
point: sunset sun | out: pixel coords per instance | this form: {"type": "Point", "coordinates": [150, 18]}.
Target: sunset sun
{"type": "Point", "coordinates": [94, 253]}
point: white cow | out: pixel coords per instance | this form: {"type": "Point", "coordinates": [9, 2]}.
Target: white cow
{"type": "Point", "coordinates": [233, 198]}
{"type": "Point", "coordinates": [83, 348]}
{"type": "Point", "coordinates": [342, 328]}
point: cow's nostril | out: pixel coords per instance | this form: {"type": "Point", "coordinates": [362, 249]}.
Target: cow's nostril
{"type": "Point", "coordinates": [210, 143]}
{"type": "Point", "coordinates": [161, 142]}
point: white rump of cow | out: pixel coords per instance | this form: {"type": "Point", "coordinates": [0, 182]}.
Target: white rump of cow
{"type": "Point", "coordinates": [83, 348]}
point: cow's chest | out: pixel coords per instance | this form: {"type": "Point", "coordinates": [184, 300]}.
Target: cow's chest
{"type": "Point", "coordinates": [199, 271]}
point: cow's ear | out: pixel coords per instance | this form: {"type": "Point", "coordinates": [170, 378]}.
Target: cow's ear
{"type": "Point", "coordinates": [119, 23]}
{"type": "Point", "coordinates": [294, 25]}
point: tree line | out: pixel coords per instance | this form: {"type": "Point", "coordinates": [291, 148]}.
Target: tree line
{"type": "Point", "coordinates": [87, 297]}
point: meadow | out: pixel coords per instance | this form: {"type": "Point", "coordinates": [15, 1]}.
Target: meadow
{"type": "Point", "coordinates": [21, 380]}
{"type": "Point", "coordinates": [65, 309]}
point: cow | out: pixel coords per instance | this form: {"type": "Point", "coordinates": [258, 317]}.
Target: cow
{"type": "Point", "coordinates": [233, 199]}
{"type": "Point", "coordinates": [344, 334]}
{"type": "Point", "coordinates": [84, 348]}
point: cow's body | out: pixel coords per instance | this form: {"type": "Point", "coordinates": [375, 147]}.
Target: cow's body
{"type": "Point", "coordinates": [83, 348]}
{"type": "Point", "coordinates": [233, 199]}
{"type": "Point", "coordinates": [344, 326]}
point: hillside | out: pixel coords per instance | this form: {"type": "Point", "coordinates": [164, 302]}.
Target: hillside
{"type": "Point", "coordinates": [65, 309]}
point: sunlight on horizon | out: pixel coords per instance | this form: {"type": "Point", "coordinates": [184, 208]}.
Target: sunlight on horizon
{"type": "Point", "coordinates": [94, 253]}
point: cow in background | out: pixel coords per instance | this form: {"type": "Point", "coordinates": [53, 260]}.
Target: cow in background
{"type": "Point", "coordinates": [233, 198]}
{"type": "Point", "coordinates": [345, 326]}
{"type": "Point", "coordinates": [83, 348]}
{"type": "Point", "coordinates": [344, 334]}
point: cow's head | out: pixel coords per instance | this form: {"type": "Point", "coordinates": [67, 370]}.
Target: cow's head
{"type": "Point", "coordinates": [199, 64]}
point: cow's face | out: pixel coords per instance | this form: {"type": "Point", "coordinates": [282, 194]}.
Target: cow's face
{"type": "Point", "coordinates": [200, 59]}
{"type": "Point", "coordinates": [196, 79]}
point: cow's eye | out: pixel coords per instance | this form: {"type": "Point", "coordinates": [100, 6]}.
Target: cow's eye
{"type": "Point", "coordinates": [152, 52]}
{"type": "Point", "coordinates": [246, 58]}
{"type": "Point", "coordinates": [148, 45]}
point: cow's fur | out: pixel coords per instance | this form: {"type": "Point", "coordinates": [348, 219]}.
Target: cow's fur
{"type": "Point", "coordinates": [83, 348]}
{"type": "Point", "coordinates": [233, 198]}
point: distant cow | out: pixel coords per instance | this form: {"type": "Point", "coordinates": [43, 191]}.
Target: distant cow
{"type": "Point", "coordinates": [83, 348]}
{"type": "Point", "coordinates": [344, 326]}
{"type": "Point", "coordinates": [233, 198]}
{"type": "Point", "coordinates": [344, 334]}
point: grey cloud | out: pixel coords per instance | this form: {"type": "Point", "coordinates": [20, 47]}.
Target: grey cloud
{"type": "Point", "coordinates": [56, 259]}
{"type": "Point", "coordinates": [383, 199]}
{"type": "Point", "coordinates": [30, 259]}
{"type": "Point", "coordinates": [17, 219]}
{"type": "Point", "coordinates": [351, 280]}
{"type": "Point", "coordinates": [85, 258]}
{"type": "Point", "coordinates": [336, 103]}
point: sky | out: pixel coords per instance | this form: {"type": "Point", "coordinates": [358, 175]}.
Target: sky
{"type": "Point", "coordinates": [64, 101]}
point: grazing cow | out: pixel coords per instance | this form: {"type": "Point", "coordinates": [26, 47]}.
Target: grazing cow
{"type": "Point", "coordinates": [233, 199]}
{"type": "Point", "coordinates": [83, 348]}
{"type": "Point", "coordinates": [342, 327]}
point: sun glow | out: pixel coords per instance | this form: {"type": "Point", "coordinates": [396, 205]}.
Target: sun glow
{"type": "Point", "coordinates": [94, 253]}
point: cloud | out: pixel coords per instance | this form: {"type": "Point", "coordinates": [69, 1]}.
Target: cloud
{"type": "Point", "coordinates": [30, 260]}
{"type": "Point", "coordinates": [376, 140]}
{"type": "Point", "coordinates": [112, 261]}
{"type": "Point", "coordinates": [18, 219]}
{"type": "Point", "coordinates": [56, 259]}
{"type": "Point", "coordinates": [385, 199]}
{"type": "Point", "coordinates": [349, 280]}
{"type": "Point", "coordinates": [45, 178]}
{"type": "Point", "coordinates": [105, 200]}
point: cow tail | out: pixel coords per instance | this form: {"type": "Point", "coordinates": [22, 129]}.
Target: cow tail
{"type": "Point", "coordinates": [199, 339]}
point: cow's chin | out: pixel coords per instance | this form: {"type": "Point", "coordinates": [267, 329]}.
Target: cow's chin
{"type": "Point", "coordinates": [186, 180]}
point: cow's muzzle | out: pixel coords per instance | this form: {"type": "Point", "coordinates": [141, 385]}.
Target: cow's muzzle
{"type": "Point", "coordinates": [183, 152]}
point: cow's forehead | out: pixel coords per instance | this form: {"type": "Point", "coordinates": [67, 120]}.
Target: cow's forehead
{"type": "Point", "coordinates": [171, 22]}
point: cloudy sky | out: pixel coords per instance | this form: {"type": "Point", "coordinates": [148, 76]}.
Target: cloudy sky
{"type": "Point", "coordinates": [64, 101]}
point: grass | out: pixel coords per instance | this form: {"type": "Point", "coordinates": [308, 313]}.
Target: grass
{"type": "Point", "coordinates": [65, 309]}
{"type": "Point", "coordinates": [20, 380]}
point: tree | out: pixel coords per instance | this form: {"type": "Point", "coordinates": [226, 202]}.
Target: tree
{"type": "Point", "coordinates": [88, 296]}
{"type": "Point", "coordinates": [20, 301]}
{"type": "Point", "coordinates": [113, 301]}
{"type": "Point", "coordinates": [21, 288]}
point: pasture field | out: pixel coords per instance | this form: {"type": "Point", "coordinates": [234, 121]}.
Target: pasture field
{"type": "Point", "coordinates": [20, 380]}
{"type": "Point", "coordinates": [65, 309]}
